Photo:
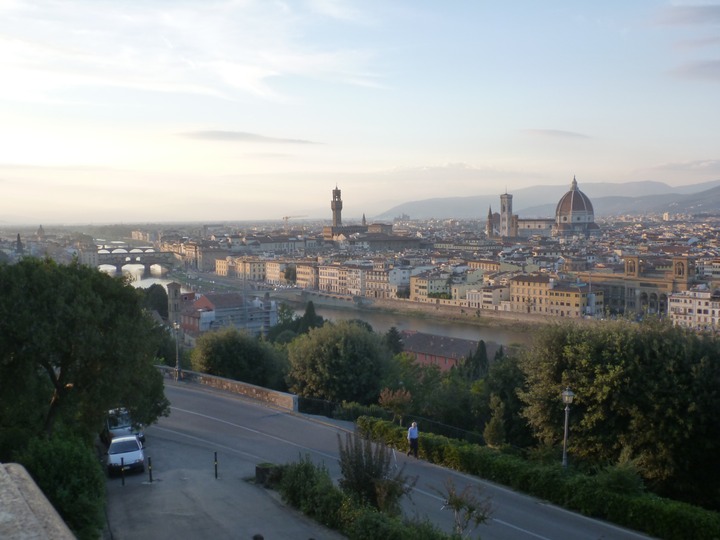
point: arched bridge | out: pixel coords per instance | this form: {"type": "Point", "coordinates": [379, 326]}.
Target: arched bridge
{"type": "Point", "coordinates": [119, 257]}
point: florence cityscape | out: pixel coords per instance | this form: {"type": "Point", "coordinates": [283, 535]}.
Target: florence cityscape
{"type": "Point", "coordinates": [336, 269]}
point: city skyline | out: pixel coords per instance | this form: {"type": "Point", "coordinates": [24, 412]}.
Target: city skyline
{"type": "Point", "coordinates": [241, 110]}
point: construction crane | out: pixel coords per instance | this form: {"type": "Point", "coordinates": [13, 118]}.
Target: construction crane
{"type": "Point", "coordinates": [287, 218]}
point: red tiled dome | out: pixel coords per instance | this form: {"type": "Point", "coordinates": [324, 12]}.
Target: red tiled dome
{"type": "Point", "coordinates": [574, 203]}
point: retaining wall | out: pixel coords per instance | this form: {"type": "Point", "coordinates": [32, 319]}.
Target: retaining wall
{"type": "Point", "coordinates": [282, 400]}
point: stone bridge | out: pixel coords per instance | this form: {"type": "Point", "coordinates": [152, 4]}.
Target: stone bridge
{"type": "Point", "coordinates": [119, 257]}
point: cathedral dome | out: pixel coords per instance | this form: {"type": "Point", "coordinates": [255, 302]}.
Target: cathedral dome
{"type": "Point", "coordinates": [574, 203]}
{"type": "Point", "coordinates": [574, 214]}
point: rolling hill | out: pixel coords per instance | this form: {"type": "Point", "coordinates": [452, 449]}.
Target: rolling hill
{"type": "Point", "coordinates": [540, 201]}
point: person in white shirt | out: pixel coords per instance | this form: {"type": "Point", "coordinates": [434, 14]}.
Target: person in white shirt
{"type": "Point", "coordinates": [412, 438]}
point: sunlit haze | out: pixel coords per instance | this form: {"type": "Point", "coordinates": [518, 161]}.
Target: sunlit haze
{"type": "Point", "coordinates": [184, 110]}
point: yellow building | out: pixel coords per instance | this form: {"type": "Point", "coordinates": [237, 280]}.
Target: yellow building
{"type": "Point", "coordinates": [542, 294]}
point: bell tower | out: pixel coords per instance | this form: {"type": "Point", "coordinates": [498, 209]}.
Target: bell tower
{"type": "Point", "coordinates": [336, 206]}
{"type": "Point", "coordinates": [506, 215]}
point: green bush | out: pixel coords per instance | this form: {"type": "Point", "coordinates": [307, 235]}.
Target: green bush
{"type": "Point", "coordinates": [309, 488]}
{"type": "Point", "coordinates": [69, 473]}
{"type": "Point", "coordinates": [615, 493]}
{"type": "Point", "coordinates": [370, 524]}
{"type": "Point", "coordinates": [352, 410]}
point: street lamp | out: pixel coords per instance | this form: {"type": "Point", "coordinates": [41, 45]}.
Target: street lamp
{"type": "Point", "coordinates": [178, 373]}
{"type": "Point", "coordinates": [567, 398]}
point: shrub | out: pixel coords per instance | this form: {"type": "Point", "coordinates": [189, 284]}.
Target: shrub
{"type": "Point", "coordinates": [67, 470]}
{"type": "Point", "coordinates": [367, 473]}
{"type": "Point", "coordinates": [372, 524]}
{"type": "Point", "coordinates": [614, 493]}
{"type": "Point", "coordinates": [309, 488]}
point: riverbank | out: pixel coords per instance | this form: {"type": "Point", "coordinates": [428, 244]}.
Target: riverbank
{"type": "Point", "coordinates": [518, 323]}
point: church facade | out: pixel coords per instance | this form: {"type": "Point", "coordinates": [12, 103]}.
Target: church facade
{"type": "Point", "coordinates": [574, 217]}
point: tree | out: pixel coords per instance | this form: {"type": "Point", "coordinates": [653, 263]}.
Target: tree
{"type": "Point", "coordinates": [647, 392]}
{"type": "Point", "coordinates": [494, 432]}
{"type": "Point", "coordinates": [309, 320]}
{"type": "Point", "coordinates": [475, 365]}
{"type": "Point", "coordinates": [237, 355]}
{"type": "Point", "coordinates": [393, 341]}
{"type": "Point", "coordinates": [505, 380]}
{"type": "Point", "coordinates": [337, 362]}
{"type": "Point", "coordinates": [397, 401]}
{"type": "Point", "coordinates": [290, 325]}
{"type": "Point", "coordinates": [69, 474]}
{"type": "Point", "coordinates": [74, 342]}
{"type": "Point", "coordinates": [155, 298]}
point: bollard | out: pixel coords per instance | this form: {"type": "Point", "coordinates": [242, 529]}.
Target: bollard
{"type": "Point", "coordinates": [215, 465]}
{"type": "Point", "coordinates": [122, 470]}
{"type": "Point", "coordinates": [150, 468]}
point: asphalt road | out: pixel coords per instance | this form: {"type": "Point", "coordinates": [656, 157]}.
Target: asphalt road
{"type": "Point", "coordinates": [186, 500]}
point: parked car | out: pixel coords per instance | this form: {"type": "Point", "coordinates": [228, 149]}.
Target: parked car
{"type": "Point", "coordinates": [125, 454]}
{"type": "Point", "coordinates": [119, 424]}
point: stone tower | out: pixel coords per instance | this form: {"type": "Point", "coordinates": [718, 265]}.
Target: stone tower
{"type": "Point", "coordinates": [489, 224]}
{"type": "Point", "coordinates": [173, 290]}
{"type": "Point", "coordinates": [506, 215]}
{"type": "Point", "coordinates": [336, 206]}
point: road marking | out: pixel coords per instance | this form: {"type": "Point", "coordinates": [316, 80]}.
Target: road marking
{"type": "Point", "coordinates": [205, 441]}
{"type": "Point", "coordinates": [256, 432]}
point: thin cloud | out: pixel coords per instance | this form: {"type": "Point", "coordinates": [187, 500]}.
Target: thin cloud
{"type": "Point", "coordinates": [690, 15]}
{"type": "Point", "coordinates": [224, 51]}
{"type": "Point", "coordinates": [697, 43]}
{"type": "Point", "coordinates": [555, 133]}
{"type": "Point", "coordinates": [336, 9]}
{"type": "Point", "coordinates": [242, 136]}
{"type": "Point", "coordinates": [706, 71]}
{"type": "Point", "coordinates": [703, 165]}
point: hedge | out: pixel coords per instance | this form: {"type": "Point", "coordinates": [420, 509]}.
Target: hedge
{"type": "Point", "coordinates": [655, 516]}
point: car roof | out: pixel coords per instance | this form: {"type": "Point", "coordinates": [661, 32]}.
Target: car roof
{"type": "Point", "coordinates": [125, 438]}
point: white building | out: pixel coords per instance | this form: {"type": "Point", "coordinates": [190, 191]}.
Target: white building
{"type": "Point", "coordinates": [697, 308]}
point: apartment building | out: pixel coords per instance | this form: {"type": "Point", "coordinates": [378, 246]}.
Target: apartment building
{"type": "Point", "coordinates": [215, 311]}
{"type": "Point", "coordinates": [493, 297]}
{"type": "Point", "coordinates": [425, 287]}
{"type": "Point", "coordinates": [250, 269]}
{"type": "Point", "coordinates": [275, 272]}
{"type": "Point", "coordinates": [306, 276]}
{"type": "Point", "coordinates": [329, 278]}
{"type": "Point", "coordinates": [225, 267]}
{"type": "Point", "coordinates": [355, 279]}
{"type": "Point", "coordinates": [697, 308]}
{"type": "Point", "coordinates": [540, 293]}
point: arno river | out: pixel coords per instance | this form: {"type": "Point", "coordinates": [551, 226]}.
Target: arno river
{"type": "Point", "coordinates": [381, 321]}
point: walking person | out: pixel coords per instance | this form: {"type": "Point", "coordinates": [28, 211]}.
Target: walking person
{"type": "Point", "coordinates": [412, 438]}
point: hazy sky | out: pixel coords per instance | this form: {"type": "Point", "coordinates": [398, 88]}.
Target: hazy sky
{"type": "Point", "coordinates": [132, 111]}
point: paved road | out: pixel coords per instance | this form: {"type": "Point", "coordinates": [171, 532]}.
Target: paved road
{"type": "Point", "coordinates": [185, 500]}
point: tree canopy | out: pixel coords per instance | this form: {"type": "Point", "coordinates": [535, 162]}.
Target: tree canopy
{"type": "Point", "coordinates": [237, 355]}
{"type": "Point", "coordinates": [341, 361]}
{"type": "Point", "coordinates": [645, 392]}
{"type": "Point", "coordinates": [74, 342]}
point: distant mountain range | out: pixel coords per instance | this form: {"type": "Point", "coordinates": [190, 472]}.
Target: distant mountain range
{"type": "Point", "coordinates": [540, 201]}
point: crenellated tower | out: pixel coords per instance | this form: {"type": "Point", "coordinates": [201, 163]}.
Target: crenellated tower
{"type": "Point", "coordinates": [336, 206]}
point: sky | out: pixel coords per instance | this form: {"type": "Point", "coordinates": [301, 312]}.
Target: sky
{"type": "Point", "coordinates": [229, 110]}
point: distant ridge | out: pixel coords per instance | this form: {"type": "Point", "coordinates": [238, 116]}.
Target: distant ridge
{"type": "Point", "coordinates": [540, 201]}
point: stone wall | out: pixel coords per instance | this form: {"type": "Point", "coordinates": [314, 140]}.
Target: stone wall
{"type": "Point", "coordinates": [282, 400]}
{"type": "Point", "coordinates": [25, 512]}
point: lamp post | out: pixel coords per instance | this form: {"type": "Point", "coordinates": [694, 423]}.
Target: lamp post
{"type": "Point", "coordinates": [178, 374]}
{"type": "Point", "coordinates": [567, 398]}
